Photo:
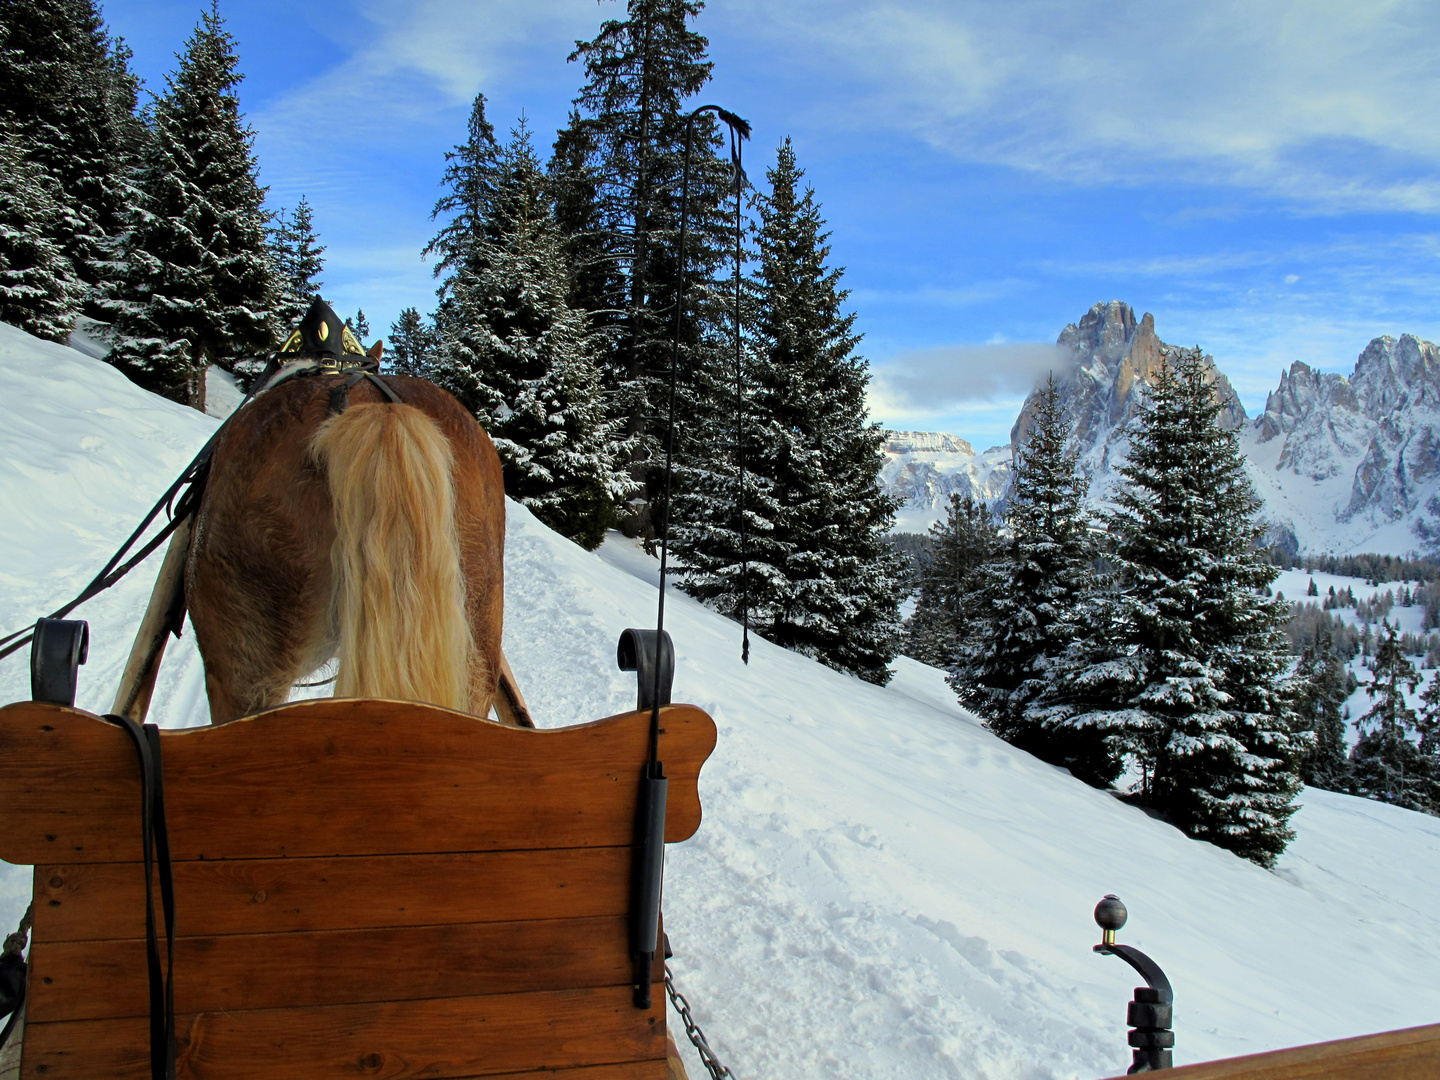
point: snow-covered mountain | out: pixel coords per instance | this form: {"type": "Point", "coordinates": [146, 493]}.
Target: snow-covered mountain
{"type": "Point", "coordinates": [1343, 464]}
{"type": "Point", "coordinates": [880, 888]}
{"type": "Point", "coordinates": [1350, 464]}
{"type": "Point", "coordinates": [925, 468]}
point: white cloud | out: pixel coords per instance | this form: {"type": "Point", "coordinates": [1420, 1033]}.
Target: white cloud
{"type": "Point", "coordinates": [1330, 102]}
{"type": "Point", "coordinates": [938, 380]}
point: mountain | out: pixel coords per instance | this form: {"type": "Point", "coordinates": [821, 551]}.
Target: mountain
{"type": "Point", "coordinates": [881, 888]}
{"type": "Point", "coordinates": [925, 468]}
{"type": "Point", "coordinates": [1343, 464]}
{"type": "Point", "coordinates": [1114, 358]}
{"type": "Point", "coordinates": [1352, 464]}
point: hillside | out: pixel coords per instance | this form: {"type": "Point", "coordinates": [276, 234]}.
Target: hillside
{"type": "Point", "coordinates": [880, 889]}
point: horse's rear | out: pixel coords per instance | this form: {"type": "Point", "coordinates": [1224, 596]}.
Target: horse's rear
{"type": "Point", "coordinates": [376, 533]}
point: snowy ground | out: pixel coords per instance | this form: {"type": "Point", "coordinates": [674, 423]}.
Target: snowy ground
{"type": "Point", "coordinates": [880, 887]}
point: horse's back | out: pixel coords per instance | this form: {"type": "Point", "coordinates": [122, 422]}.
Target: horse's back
{"type": "Point", "coordinates": [260, 582]}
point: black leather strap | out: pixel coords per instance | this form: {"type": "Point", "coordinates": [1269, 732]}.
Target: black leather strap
{"type": "Point", "coordinates": [155, 841]}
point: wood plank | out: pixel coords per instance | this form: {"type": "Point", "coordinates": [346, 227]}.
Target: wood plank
{"type": "Point", "coordinates": [635, 1070]}
{"type": "Point", "coordinates": [455, 1037]}
{"type": "Point", "coordinates": [365, 777]}
{"type": "Point", "coordinates": [98, 901]}
{"type": "Point", "coordinates": [1410, 1054]}
{"type": "Point", "coordinates": [104, 980]}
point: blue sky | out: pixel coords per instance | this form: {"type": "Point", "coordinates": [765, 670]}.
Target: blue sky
{"type": "Point", "coordinates": [1261, 176]}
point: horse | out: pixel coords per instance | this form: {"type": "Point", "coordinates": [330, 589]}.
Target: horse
{"type": "Point", "coordinates": [337, 521]}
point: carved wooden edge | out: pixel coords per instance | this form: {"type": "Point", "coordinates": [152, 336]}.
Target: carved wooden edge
{"type": "Point", "coordinates": [1407, 1054]}
{"type": "Point", "coordinates": [87, 753]}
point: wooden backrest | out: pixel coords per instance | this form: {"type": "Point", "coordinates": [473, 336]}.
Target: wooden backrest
{"type": "Point", "coordinates": [363, 888]}
{"type": "Point", "coordinates": [1409, 1054]}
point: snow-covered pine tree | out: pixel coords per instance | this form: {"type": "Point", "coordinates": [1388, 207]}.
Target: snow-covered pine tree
{"type": "Point", "coordinates": [828, 583]}
{"type": "Point", "coordinates": [947, 603]}
{"type": "Point", "coordinates": [199, 286]}
{"type": "Point", "coordinates": [1194, 665]}
{"type": "Point", "coordinates": [68, 97]}
{"type": "Point", "coordinates": [617, 168]}
{"type": "Point", "coordinates": [297, 253]}
{"type": "Point", "coordinates": [471, 174]}
{"type": "Point", "coordinates": [1385, 764]}
{"type": "Point", "coordinates": [1034, 605]}
{"type": "Point", "coordinates": [521, 358]}
{"type": "Point", "coordinates": [412, 345]}
{"type": "Point", "coordinates": [38, 290]}
{"type": "Point", "coordinates": [1321, 690]}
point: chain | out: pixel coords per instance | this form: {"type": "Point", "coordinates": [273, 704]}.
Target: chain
{"type": "Point", "coordinates": [712, 1064]}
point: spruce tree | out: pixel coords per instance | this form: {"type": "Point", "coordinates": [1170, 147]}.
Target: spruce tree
{"type": "Point", "coordinates": [617, 168]}
{"type": "Point", "coordinates": [1194, 668]}
{"type": "Point", "coordinates": [1321, 690]}
{"type": "Point", "coordinates": [297, 253]}
{"type": "Point", "coordinates": [68, 97]}
{"type": "Point", "coordinates": [199, 287]}
{"type": "Point", "coordinates": [520, 357]}
{"type": "Point", "coordinates": [1034, 609]}
{"type": "Point", "coordinates": [1385, 764]}
{"type": "Point", "coordinates": [359, 325]}
{"type": "Point", "coordinates": [948, 602]}
{"type": "Point", "coordinates": [471, 174]}
{"type": "Point", "coordinates": [412, 345]}
{"type": "Point", "coordinates": [38, 290]}
{"type": "Point", "coordinates": [827, 583]}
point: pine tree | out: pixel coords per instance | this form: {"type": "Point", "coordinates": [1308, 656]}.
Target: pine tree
{"type": "Point", "coordinates": [359, 325]}
{"type": "Point", "coordinates": [520, 357]}
{"type": "Point", "coordinates": [826, 582]}
{"type": "Point", "coordinates": [68, 97]}
{"type": "Point", "coordinates": [470, 179]}
{"type": "Point", "coordinates": [297, 253]}
{"type": "Point", "coordinates": [1035, 603]}
{"type": "Point", "coordinates": [1196, 660]}
{"type": "Point", "coordinates": [949, 603]}
{"type": "Point", "coordinates": [1385, 763]}
{"type": "Point", "coordinates": [38, 291]}
{"type": "Point", "coordinates": [199, 289]}
{"type": "Point", "coordinates": [1322, 687]}
{"type": "Point", "coordinates": [618, 167]}
{"type": "Point", "coordinates": [412, 345]}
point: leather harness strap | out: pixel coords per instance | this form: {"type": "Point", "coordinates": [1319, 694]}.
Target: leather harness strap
{"type": "Point", "coordinates": [340, 396]}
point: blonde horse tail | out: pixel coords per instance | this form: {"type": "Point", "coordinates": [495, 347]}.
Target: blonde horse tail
{"type": "Point", "coordinates": [399, 586]}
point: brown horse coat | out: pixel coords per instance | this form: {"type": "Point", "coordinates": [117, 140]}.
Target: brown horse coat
{"type": "Point", "coordinates": [261, 583]}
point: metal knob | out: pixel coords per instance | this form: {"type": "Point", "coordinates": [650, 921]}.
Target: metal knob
{"type": "Point", "coordinates": [1110, 915]}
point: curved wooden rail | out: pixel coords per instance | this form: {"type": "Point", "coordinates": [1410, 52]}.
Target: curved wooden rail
{"type": "Point", "coordinates": [1411, 1054]}
{"type": "Point", "coordinates": [367, 888]}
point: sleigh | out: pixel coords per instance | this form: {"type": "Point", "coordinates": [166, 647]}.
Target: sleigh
{"type": "Point", "coordinates": [361, 887]}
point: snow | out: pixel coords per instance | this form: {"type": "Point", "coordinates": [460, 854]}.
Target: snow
{"type": "Point", "coordinates": [880, 887]}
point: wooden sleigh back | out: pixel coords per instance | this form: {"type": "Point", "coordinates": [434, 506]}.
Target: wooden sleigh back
{"type": "Point", "coordinates": [362, 888]}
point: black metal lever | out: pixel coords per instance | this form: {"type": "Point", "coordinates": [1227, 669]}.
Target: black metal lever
{"type": "Point", "coordinates": [57, 650]}
{"type": "Point", "coordinates": [1151, 1012]}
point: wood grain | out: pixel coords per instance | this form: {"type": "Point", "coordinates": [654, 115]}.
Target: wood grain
{"type": "Point", "coordinates": [98, 901]}
{"type": "Point", "coordinates": [455, 1037]}
{"type": "Point", "coordinates": [339, 777]}
{"type": "Point", "coordinates": [105, 980]}
{"type": "Point", "coordinates": [1410, 1054]}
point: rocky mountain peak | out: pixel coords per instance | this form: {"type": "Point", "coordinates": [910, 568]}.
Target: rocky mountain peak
{"type": "Point", "coordinates": [1113, 358]}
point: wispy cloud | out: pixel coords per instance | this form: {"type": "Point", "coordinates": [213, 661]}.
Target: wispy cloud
{"type": "Point", "coordinates": [1329, 103]}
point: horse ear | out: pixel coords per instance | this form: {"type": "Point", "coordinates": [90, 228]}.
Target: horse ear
{"type": "Point", "coordinates": [376, 349]}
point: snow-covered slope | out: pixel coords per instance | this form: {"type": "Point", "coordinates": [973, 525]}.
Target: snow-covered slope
{"type": "Point", "coordinates": [880, 887]}
{"type": "Point", "coordinates": [925, 468]}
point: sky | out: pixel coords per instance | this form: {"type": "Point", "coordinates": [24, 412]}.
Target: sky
{"type": "Point", "coordinates": [1262, 176]}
